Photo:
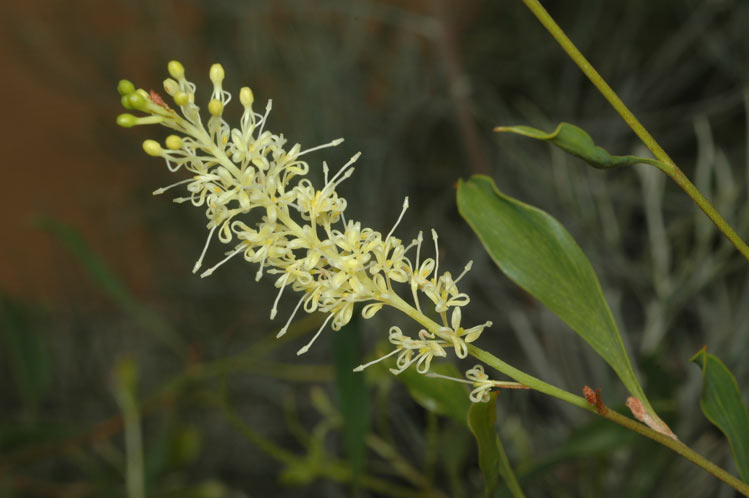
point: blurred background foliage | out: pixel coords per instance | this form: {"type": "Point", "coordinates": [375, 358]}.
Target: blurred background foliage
{"type": "Point", "coordinates": [101, 318]}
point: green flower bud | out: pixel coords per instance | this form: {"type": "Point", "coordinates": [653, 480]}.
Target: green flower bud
{"type": "Point", "coordinates": [217, 74]}
{"type": "Point", "coordinates": [152, 148]}
{"type": "Point", "coordinates": [125, 87]}
{"type": "Point", "coordinates": [171, 87]}
{"type": "Point", "coordinates": [127, 120]}
{"type": "Point", "coordinates": [136, 101]}
{"type": "Point", "coordinates": [246, 97]}
{"type": "Point", "coordinates": [173, 142]}
{"type": "Point", "coordinates": [176, 69]}
{"type": "Point", "coordinates": [181, 99]}
{"type": "Point", "coordinates": [215, 107]}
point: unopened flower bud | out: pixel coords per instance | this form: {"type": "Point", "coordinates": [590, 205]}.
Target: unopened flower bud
{"type": "Point", "coordinates": [173, 142]}
{"type": "Point", "coordinates": [125, 101]}
{"type": "Point", "coordinates": [152, 148]}
{"type": "Point", "coordinates": [217, 74]}
{"type": "Point", "coordinates": [127, 120]}
{"type": "Point", "coordinates": [136, 100]}
{"type": "Point", "coordinates": [215, 107]}
{"type": "Point", "coordinates": [176, 70]}
{"type": "Point", "coordinates": [171, 87]}
{"type": "Point", "coordinates": [125, 87]}
{"type": "Point", "coordinates": [181, 99]}
{"type": "Point", "coordinates": [246, 97]}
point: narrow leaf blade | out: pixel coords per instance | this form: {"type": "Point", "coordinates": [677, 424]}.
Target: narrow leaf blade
{"type": "Point", "coordinates": [577, 142]}
{"type": "Point", "coordinates": [481, 419]}
{"type": "Point", "coordinates": [25, 350]}
{"type": "Point", "coordinates": [535, 251]}
{"type": "Point", "coordinates": [721, 403]}
{"type": "Point", "coordinates": [107, 280]}
{"type": "Point", "coordinates": [353, 397]}
{"type": "Point", "coordinates": [493, 460]}
{"type": "Point", "coordinates": [96, 268]}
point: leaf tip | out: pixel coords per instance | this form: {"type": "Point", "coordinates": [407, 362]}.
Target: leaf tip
{"type": "Point", "coordinates": [700, 353]}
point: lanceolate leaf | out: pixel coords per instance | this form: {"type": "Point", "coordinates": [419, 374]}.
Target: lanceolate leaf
{"type": "Point", "coordinates": [538, 254]}
{"type": "Point", "coordinates": [481, 418]}
{"type": "Point", "coordinates": [493, 459]}
{"type": "Point", "coordinates": [577, 142]}
{"type": "Point", "coordinates": [722, 405]}
{"type": "Point", "coordinates": [353, 397]}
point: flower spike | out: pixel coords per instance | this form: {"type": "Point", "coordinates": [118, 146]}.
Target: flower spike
{"type": "Point", "coordinates": [303, 235]}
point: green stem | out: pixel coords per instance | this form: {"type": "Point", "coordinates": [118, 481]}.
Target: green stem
{"type": "Point", "coordinates": [670, 168]}
{"type": "Point", "coordinates": [528, 380]}
{"type": "Point", "coordinates": [333, 469]}
{"type": "Point", "coordinates": [609, 414]}
{"type": "Point", "coordinates": [135, 477]}
{"type": "Point", "coordinates": [264, 444]}
{"type": "Point", "coordinates": [679, 448]}
{"type": "Point", "coordinates": [508, 473]}
{"type": "Point", "coordinates": [546, 388]}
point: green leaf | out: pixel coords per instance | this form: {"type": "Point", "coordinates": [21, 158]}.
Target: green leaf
{"type": "Point", "coordinates": [722, 405]}
{"type": "Point", "coordinates": [481, 419]}
{"type": "Point", "coordinates": [109, 282]}
{"type": "Point", "coordinates": [102, 276]}
{"type": "Point", "coordinates": [577, 142]}
{"type": "Point", "coordinates": [493, 460]}
{"type": "Point", "coordinates": [441, 396]}
{"type": "Point", "coordinates": [353, 397]}
{"type": "Point", "coordinates": [25, 351]}
{"type": "Point", "coordinates": [535, 251]}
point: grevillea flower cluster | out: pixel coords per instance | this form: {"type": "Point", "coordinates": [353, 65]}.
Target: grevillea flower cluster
{"type": "Point", "coordinates": [303, 238]}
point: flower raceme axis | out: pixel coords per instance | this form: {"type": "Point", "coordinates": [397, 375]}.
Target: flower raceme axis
{"type": "Point", "coordinates": [303, 238]}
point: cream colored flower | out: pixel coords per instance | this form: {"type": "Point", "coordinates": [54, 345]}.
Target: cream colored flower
{"type": "Point", "coordinates": [302, 238]}
{"type": "Point", "coordinates": [481, 383]}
